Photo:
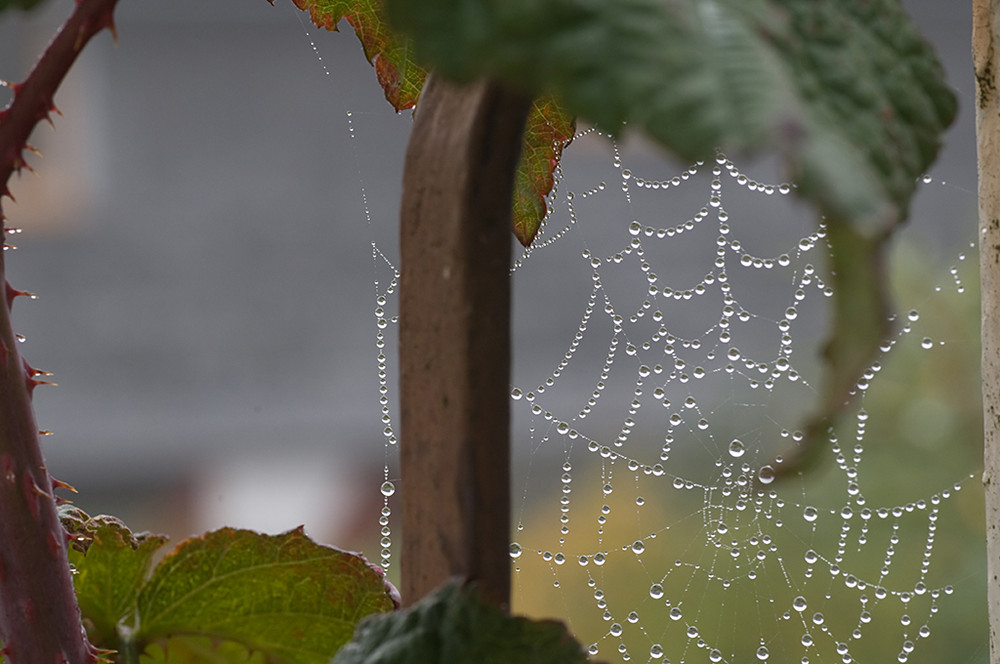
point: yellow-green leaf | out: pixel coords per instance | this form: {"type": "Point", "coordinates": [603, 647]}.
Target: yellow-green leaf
{"type": "Point", "coordinates": [284, 595]}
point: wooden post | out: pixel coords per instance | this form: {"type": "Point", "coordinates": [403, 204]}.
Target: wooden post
{"type": "Point", "coordinates": [985, 42]}
{"type": "Point", "coordinates": [455, 337]}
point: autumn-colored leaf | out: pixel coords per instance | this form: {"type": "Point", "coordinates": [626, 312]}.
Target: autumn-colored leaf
{"type": "Point", "coordinates": [549, 127]}
{"type": "Point", "coordinates": [388, 51]}
{"type": "Point", "coordinates": [548, 130]}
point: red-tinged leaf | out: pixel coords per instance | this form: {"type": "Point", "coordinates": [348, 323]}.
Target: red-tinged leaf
{"type": "Point", "coordinates": [548, 130]}
{"type": "Point", "coordinates": [388, 51]}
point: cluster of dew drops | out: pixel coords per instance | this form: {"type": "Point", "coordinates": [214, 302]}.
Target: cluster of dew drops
{"type": "Point", "coordinates": [382, 321]}
{"type": "Point", "coordinates": [780, 368]}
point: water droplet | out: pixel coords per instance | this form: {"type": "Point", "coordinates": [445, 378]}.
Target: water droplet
{"type": "Point", "coordinates": [638, 547]}
{"type": "Point", "coordinates": [810, 513]}
{"type": "Point", "coordinates": [762, 653]}
{"type": "Point", "coordinates": [388, 488]}
{"type": "Point", "coordinates": [766, 474]}
{"type": "Point", "coordinates": [656, 591]}
{"type": "Point", "coordinates": [736, 448]}
{"type": "Point", "coordinates": [799, 604]}
{"type": "Point", "coordinates": [656, 651]}
{"type": "Point", "coordinates": [926, 343]}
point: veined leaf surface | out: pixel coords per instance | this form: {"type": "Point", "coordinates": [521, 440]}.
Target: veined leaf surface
{"type": "Point", "coordinates": [285, 595]}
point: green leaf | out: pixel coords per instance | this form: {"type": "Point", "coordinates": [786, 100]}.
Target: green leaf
{"type": "Point", "coordinates": [389, 52]}
{"type": "Point", "coordinates": [847, 90]}
{"type": "Point", "coordinates": [549, 129]}
{"type": "Point", "coordinates": [199, 650]}
{"type": "Point", "coordinates": [456, 626]}
{"type": "Point", "coordinates": [285, 595]}
{"type": "Point", "coordinates": [111, 564]}
{"type": "Point", "coordinates": [19, 4]}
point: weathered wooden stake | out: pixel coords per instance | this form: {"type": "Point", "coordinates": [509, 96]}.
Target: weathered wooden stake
{"type": "Point", "coordinates": [455, 337]}
{"type": "Point", "coordinates": [986, 58]}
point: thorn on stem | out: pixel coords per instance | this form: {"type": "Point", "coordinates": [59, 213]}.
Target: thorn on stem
{"type": "Point", "coordinates": [31, 384]}
{"type": "Point", "coordinates": [59, 484]}
{"type": "Point", "coordinates": [32, 371]}
{"type": "Point", "coordinates": [13, 293]}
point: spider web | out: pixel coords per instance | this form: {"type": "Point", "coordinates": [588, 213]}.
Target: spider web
{"type": "Point", "coordinates": [647, 512]}
{"type": "Point", "coordinates": [667, 325]}
{"type": "Point", "coordinates": [652, 442]}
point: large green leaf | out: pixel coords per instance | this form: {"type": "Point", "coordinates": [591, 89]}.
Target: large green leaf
{"type": "Point", "coordinates": [455, 625]}
{"type": "Point", "coordinates": [847, 92]}
{"type": "Point", "coordinates": [200, 650]}
{"type": "Point", "coordinates": [285, 595]}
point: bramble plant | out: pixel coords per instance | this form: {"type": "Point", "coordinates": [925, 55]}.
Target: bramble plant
{"type": "Point", "coordinates": [845, 91]}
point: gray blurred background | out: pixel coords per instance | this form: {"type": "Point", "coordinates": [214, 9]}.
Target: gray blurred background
{"type": "Point", "coordinates": [199, 241]}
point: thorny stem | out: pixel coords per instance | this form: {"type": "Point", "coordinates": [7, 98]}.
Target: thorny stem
{"type": "Point", "coordinates": [39, 616]}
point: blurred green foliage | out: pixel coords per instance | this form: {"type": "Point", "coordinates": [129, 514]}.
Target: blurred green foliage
{"type": "Point", "coordinates": [19, 4]}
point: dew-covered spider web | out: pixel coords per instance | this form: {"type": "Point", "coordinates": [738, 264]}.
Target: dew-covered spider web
{"type": "Point", "coordinates": [667, 325]}
{"type": "Point", "coordinates": [649, 511]}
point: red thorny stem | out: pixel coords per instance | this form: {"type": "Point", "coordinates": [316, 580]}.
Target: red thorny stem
{"type": "Point", "coordinates": [39, 616]}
